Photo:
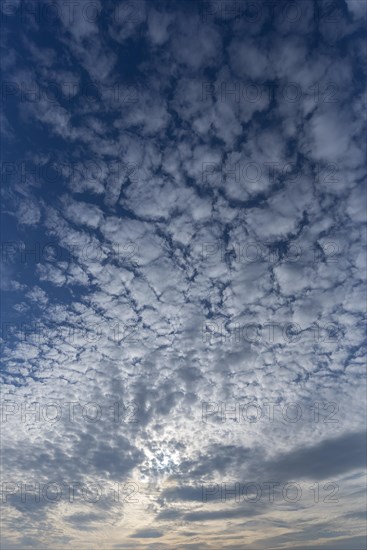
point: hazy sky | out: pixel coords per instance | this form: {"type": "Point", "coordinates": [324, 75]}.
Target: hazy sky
{"type": "Point", "coordinates": [183, 274]}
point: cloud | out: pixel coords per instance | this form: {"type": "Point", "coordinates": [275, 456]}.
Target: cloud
{"type": "Point", "coordinates": [330, 458]}
{"type": "Point", "coordinates": [147, 534]}
{"type": "Point", "coordinates": [183, 273]}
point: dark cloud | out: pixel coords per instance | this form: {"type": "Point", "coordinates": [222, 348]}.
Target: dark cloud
{"type": "Point", "coordinates": [147, 534]}
{"type": "Point", "coordinates": [326, 460]}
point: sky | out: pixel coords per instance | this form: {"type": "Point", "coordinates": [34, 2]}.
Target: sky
{"type": "Point", "coordinates": [183, 274]}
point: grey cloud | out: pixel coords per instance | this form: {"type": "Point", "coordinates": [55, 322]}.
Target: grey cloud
{"type": "Point", "coordinates": [147, 534]}
{"type": "Point", "coordinates": [329, 458]}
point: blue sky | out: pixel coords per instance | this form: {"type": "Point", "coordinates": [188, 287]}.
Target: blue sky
{"type": "Point", "coordinates": [183, 274]}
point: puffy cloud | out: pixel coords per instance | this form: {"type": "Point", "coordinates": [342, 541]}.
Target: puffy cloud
{"type": "Point", "coordinates": [189, 311]}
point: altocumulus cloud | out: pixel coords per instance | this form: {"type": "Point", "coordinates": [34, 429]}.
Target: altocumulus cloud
{"type": "Point", "coordinates": [183, 274]}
